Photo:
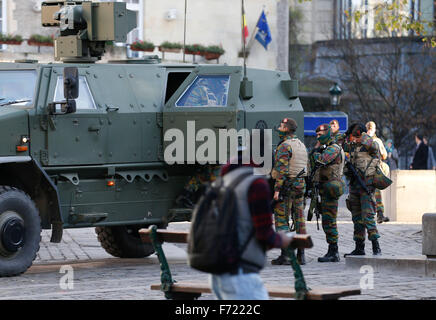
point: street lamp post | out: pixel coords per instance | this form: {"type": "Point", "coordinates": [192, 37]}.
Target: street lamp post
{"type": "Point", "coordinates": [335, 95]}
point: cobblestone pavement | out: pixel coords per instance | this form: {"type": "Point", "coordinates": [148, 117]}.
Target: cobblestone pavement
{"type": "Point", "coordinates": [97, 275]}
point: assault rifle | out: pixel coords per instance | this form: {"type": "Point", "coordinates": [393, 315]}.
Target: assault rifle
{"type": "Point", "coordinates": [283, 196]}
{"type": "Point", "coordinates": [355, 175]}
{"type": "Point", "coordinates": [315, 205]}
{"type": "Point", "coordinates": [312, 190]}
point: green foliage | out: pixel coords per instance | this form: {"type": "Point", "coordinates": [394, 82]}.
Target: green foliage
{"type": "Point", "coordinates": [394, 18]}
{"type": "Point", "coordinates": [215, 49]}
{"type": "Point", "coordinates": [142, 45]}
{"type": "Point", "coordinates": [295, 18]}
{"type": "Point", "coordinates": [9, 37]}
{"type": "Point", "coordinates": [171, 45]}
{"type": "Point", "coordinates": [41, 38]}
{"type": "Point", "coordinates": [195, 48]}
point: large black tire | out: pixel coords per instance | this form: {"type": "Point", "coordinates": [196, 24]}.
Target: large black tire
{"type": "Point", "coordinates": [123, 241]}
{"type": "Point", "coordinates": [20, 231]}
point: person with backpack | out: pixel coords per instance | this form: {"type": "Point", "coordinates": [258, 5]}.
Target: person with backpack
{"type": "Point", "coordinates": [364, 157]}
{"type": "Point", "coordinates": [231, 230]}
{"type": "Point", "coordinates": [290, 168]}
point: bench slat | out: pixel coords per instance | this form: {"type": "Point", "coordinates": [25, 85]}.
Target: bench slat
{"type": "Point", "coordinates": [276, 291]}
{"type": "Point", "coordinates": [300, 241]}
{"type": "Point", "coordinates": [164, 236]}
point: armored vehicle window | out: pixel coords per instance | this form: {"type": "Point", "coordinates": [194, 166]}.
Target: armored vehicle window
{"type": "Point", "coordinates": [206, 91]}
{"type": "Point", "coordinates": [174, 81]}
{"type": "Point", "coordinates": [84, 101]}
{"type": "Point", "coordinates": [17, 85]}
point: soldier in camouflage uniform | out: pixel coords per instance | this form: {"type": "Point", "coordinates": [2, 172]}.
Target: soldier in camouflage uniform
{"type": "Point", "coordinates": [336, 135]}
{"type": "Point", "coordinates": [330, 156]}
{"type": "Point", "coordinates": [364, 155]}
{"type": "Point", "coordinates": [290, 159]}
{"type": "Point", "coordinates": [371, 128]}
{"type": "Point", "coordinates": [191, 192]}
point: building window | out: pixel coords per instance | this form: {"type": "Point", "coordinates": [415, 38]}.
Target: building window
{"type": "Point", "coordinates": [3, 15]}
{"type": "Point", "coordinates": [343, 26]}
{"type": "Point", "coordinates": [434, 15]}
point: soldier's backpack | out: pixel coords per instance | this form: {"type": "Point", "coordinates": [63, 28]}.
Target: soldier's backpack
{"type": "Point", "coordinates": [213, 244]}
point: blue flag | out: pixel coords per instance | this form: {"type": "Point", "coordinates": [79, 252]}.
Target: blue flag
{"type": "Point", "coordinates": [263, 34]}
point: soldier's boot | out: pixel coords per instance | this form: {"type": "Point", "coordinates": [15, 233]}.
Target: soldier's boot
{"type": "Point", "coordinates": [376, 248]}
{"type": "Point", "coordinates": [300, 257]}
{"type": "Point", "coordinates": [281, 259]}
{"type": "Point", "coordinates": [185, 199]}
{"type": "Point", "coordinates": [332, 254]}
{"type": "Point", "coordinates": [359, 250]}
{"type": "Point", "coordinates": [381, 218]}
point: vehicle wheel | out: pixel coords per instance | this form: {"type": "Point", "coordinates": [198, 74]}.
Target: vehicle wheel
{"type": "Point", "coordinates": [20, 231]}
{"type": "Point", "coordinates": [123, 241]}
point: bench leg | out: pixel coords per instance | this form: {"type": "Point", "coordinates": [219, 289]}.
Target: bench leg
{"type": "Point", "coordinates": [300, 284]}
{"type": "Point", "coordinates": [165, 275]}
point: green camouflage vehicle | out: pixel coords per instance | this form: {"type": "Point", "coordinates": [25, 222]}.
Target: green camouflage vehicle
{"type": "Point", "coordinates": [82, 143]}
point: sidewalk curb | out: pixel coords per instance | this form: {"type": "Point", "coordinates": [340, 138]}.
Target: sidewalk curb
{"type": "Point", "coordinates": [418, 265]}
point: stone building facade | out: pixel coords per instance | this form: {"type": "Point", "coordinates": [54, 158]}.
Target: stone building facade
{"type": "Point", "coordinates": [208, 22]}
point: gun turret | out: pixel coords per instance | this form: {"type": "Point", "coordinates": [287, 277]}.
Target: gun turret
{"type": "Point", "coordinates": [84, 27]}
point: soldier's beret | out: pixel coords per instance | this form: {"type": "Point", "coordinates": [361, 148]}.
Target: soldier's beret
{"type": "Point", "coordinates": [290, 123]}
{"type": "Point", "coordinates": [322, 127]}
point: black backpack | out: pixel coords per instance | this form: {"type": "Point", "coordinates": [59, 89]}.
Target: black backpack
{"type": "Point", "coordinates": [213, 244]}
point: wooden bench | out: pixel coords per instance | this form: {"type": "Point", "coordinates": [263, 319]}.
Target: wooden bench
{"type": "Point", "coordinates": [275, 291]}
{"type": "Point", "coordinates": [192, 290]}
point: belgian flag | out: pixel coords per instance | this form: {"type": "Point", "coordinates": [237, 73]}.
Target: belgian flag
{"type": "Point", "coordinates": [244, 23]}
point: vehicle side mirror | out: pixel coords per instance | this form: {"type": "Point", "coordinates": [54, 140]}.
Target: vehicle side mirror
{"type": "Point", "coordinates": [64, 107]}
{"type": "Point", "coordinates": [71, 83]}
{"type": "Point", "coordinates": [71, 92]}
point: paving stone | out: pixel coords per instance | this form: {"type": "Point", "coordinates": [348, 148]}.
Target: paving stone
{"type": "Point", "coordinates": [111, 281]}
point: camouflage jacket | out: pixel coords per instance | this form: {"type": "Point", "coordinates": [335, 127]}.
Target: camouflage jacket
{"type": "Point", "coordinates": [282, 157]}
{"type": "Point", "coordinates": [338, 138]}
{"type": "Point", "coordinates": [362, 155]}
{"type": "Point", "coordinates": [330, 155]}
{"type": "Point", "coordinates": [370, 145]}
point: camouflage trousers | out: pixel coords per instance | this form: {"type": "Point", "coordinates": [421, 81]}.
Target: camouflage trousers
{"type": "Point", "coordinates": [363, 209]}
{"type": "Point", "coordinates": [329, 210]}
{"type": "Point", "coordinates": [379, 202]}
{"type": "Point", "coordinates": [205, 174]}
{"type": "Point", "coordinates": [295, 199]}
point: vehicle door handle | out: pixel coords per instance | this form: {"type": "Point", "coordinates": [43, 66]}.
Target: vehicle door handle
{"type": "Point", "coordinates": [94, 128]}
{"type": "Point", "coordinates": [112, 108]}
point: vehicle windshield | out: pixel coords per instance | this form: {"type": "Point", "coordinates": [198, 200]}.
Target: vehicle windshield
{"type": "Point", "coordinates": [17, 87]}
{"type": "Point", "coordinates": [206, 91]}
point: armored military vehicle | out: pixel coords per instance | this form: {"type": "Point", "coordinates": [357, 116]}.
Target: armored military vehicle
{"type": "Point", "coordinates": [82, 142]}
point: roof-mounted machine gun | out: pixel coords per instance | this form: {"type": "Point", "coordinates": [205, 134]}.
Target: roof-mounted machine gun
{"type": "Point", "coordinates": [86, 26]}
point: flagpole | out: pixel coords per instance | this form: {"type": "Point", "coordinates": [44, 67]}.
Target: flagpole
{"type": "Point", "coordinates": [243, 40]}
{"type": "Point", "coordinates": [184, 31]}
{"type": "Point", "coordinates": [254, 32]}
